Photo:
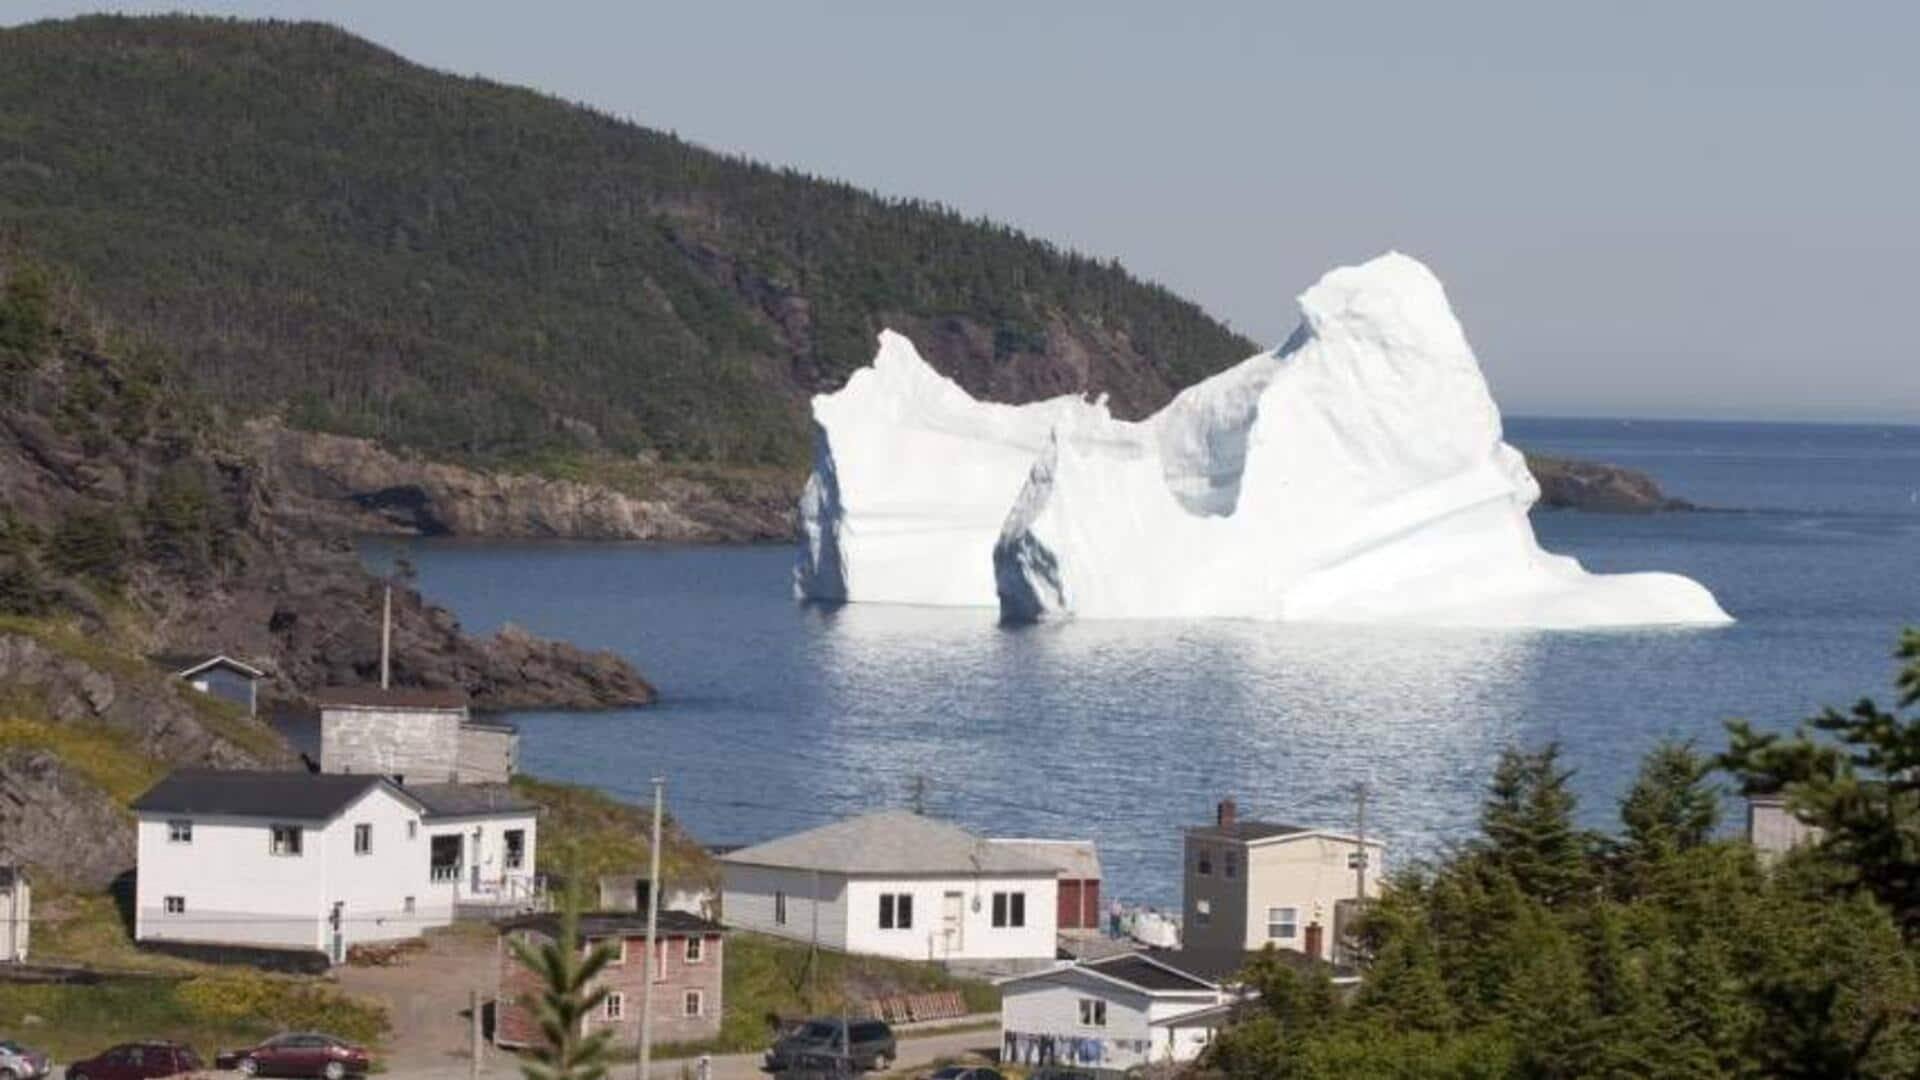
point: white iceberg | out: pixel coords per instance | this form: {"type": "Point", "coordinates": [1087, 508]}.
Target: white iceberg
{"type": "Point", "coordinates": [1355, 474]}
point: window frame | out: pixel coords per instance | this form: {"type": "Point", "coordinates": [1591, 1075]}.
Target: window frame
{"type": "Point", "coordinates": [514, 854]}
{"type": "Point", "coordinates": [1291, 922]}
{"type": "Point", "coordinates": [696, 950]}
{"type": "Point", "coordinates": [363, 838]}
{"type": "Point", "coordinates": [1093, 1012]}
{"type": "Point", "coordinates": [180, 831]}
{"type": "Point", "coordinates": [173, 905]}
{"type": "Point", "coordinates": [1203, 860]}
{"type": "Point", "coordinates": [1010, 910]}
{"type": "Point", "coordinates": [697, 999]}
{"type": "Point", "coordinates": [896, 911]}
{"type": "Point", "coordinates": [409, 905]}
{"type": "Point", "coordinates": [614, 1008]}
{"type": "Point", "coordinates": [294, 850]}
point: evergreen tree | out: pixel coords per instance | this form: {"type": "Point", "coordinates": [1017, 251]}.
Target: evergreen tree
{"type": "Point", "coordinates": [1528, 825]}
{"type": "Point", "coordinates": [1670, 808]}
{"type": "Point", "coordinates": [566, 998]}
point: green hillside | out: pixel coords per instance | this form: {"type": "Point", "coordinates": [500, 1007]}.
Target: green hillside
{"type": "Point", "coordinates": [319, 226]}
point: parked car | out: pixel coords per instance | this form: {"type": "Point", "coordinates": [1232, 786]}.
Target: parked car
{"type": "Point", "coordinates": [873, 1045]}
{"type": "Point", "coordinates": [137, 1061]}
{"type": "Point", "coordinates": [300, 1053]}
{"type": "Point", "coordinates": [19, 1063]}
{"type": "Point", "coordinates": [964, 1072]}
{"type": "Point", "coordinates": [805, 1066]}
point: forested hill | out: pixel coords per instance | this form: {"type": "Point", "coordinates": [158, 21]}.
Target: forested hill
{"type": "Point", "coordinates": [321, 228]}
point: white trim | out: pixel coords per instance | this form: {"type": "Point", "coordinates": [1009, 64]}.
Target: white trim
{"type": "Point", "coordinates": [243, 667]}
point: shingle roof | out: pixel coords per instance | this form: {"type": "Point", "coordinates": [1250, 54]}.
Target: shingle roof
{"type": "Point", "coordinates": [468, 800]}
{"type": "Point", "coordinates": [1225, 965]}
{"type": "Point", "coordinates": [606, 924]}
{"type": "Point", "coordinates": [1137, 970]}
{"type": "Point", "coordinates": [398, 697]}
{"type": "Point", "coordinates": [1077, 860]}
{"type": "Point", "coordinates": [1248, 830]}
{"type": "Point", "coordinates": [293, 796]}
{"type": "Point", "coordinates": [889, 842]}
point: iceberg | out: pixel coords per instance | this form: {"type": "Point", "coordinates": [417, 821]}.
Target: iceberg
{"type": "Point", "coordinates": [1357, 473]}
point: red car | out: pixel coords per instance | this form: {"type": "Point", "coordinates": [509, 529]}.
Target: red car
{"type": "Point", "coordinates": [299, 1054]}
{"type": "Point", "coordinates": [136, 1061]}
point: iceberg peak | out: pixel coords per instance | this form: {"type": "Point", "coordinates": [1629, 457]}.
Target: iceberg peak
{"type": "Point", "coordinates": [1357, 473]}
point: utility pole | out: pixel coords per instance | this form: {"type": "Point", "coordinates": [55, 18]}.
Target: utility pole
{"type": "Point", "coordinates": [386, 638]}
{"type": "Point", "coordinates": [920, 794]}
{"type": "Point", "coordinates": [654, 893]}
{"type": "Point", "coordinates": [1360, 833]}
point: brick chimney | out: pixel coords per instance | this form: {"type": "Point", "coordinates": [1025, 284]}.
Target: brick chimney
{"type": "Point", "coordinates": [1225, 814]}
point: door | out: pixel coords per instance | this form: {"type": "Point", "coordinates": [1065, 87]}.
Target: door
{"type": "Point", "coordinates": [1068, 916]}
{"type": "Point", "coordinates": [953, 922]}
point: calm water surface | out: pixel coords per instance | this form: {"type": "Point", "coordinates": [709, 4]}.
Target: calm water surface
{"type": "Point", "coordinates": [777, 716]}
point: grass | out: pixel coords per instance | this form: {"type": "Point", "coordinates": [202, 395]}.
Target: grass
{"type": "Point", "coordinates": [585, 834]}
{"type": "Point", "coordinates": [102, 756]}
{"type": "Point", "coordinates": [87, 929]}
{"type": "Point", "coordinates": [768, 978]}
{"type": "Point", "coordinates": [206, 1012]}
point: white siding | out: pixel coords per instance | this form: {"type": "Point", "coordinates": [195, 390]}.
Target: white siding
{"type": "Point", "coordinates": [421, 745]}
{"type": "Point", "coordinates": [16, 921]}
{"type": "Point", "coordinates": [977, 938]}
{"type": "Point", "coordinates": [483, 843]}
{"type": "Point", "coordinates": [372, 888]}
{"type": "Point", "coordinates": [747, 902]}
{"type": "Point", "coordinates": [1050, 1005]}
{"type": "Point", "coordinates": [235, 890]}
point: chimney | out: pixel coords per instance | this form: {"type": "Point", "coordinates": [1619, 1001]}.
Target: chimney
{"type": "Point", "coordinates": [1226, 813]}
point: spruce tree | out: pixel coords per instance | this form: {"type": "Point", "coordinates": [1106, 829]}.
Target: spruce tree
{"type": "Point", "coordinates": [1670, 808]}
{"type": "Point", "coordinates": [1528, 825]}
{"type": "Point", "coordinates": [567, 997]}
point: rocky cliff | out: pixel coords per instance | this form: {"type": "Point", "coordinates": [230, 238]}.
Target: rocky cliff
{"type": "Point", "coordinates": [1566, 484]}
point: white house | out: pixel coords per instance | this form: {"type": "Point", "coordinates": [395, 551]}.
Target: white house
{"type": "Point", "coordinates": [1251, 883]}
{"type": "Point", "coordinates": [1111, 1014]}
{"type": "Point", "coordinates": [896, 884]}
{"type": "Point", "coordinates": [16, 914]}
{"type": "Point", "coordinates": [299, 860]}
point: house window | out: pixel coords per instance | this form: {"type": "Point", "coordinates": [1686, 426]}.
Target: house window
{"type": "Point", "coordinates": [896, 911]}
{"type": "Point", "coordinates": [1009, 909]}
{"type": "Point", "coordinates": [695, 950]}
{"type": "Point", "coordinates": [363, 839]}
{"type": "Point", "coordinates": [443, 858]}
{"type": "Point", "coordinates": [284, 840]}
{"type": "Point", "coordinates": [516, 848]}
{"type": "Point", "coordinates": [1230, 863]}
{"type": "Point", "coordinates": [1203, 862]}
{"type": "Point", "coordinates": [696, 1004]}
{"type": "Point", "coordinates": [614, 1007]}
{"type": "Point", "coordinates": [407, 905]}
{"type": "Point", "coordinates": [619, 952]}
{"type": "Point", "coordinates": [1202, 912]}
{"type": "Point", "coordinates": [1283, 923]}
{"type": "Point", "coordinates": [780, 909]}
{"type": "Point", "coordinates": [1093, 1012]}
{"type": "Point", "coordinates": [176, 905]}
{"type": "Point", "coordinates": [179, 832]}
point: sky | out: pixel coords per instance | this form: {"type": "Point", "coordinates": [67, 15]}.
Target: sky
{"type": "Point", "coordinates": [1709, 209]}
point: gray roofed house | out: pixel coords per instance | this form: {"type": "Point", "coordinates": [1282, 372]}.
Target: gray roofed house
{"type": "Point", "coordinates": [1136, 1009]}
{"type": "Point", "coordinates": [898, 884]}
{"type": "Point", "coordinates": [468, 800]}
{"type": "Point", "coordinates": [292, 796]}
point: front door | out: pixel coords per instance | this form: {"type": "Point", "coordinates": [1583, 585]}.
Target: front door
{"type": "Point", "coordinates": [953, 922]}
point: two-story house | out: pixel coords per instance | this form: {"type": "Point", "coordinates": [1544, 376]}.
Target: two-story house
{"type": "Point", "coordinates": [1253, 883]}
{"type": "Point", "coordinates": [685, 969]}
{"type": "Point", "coordinates": [299, 860]}
{"type": "Point", "coordinates": [897, 884]}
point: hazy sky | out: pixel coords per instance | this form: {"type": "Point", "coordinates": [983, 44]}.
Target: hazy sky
{"type": "Point", "coordinates": [1660, 209]}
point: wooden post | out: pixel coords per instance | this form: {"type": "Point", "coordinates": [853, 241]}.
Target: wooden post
{"type": "Point", "coordinates": [473, 1010]}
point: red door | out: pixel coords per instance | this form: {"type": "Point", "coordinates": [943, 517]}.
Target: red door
{"type": "Point", "coordinates": [1069, 915]}
{"type": "Point", "coordinates": [1090, 904]}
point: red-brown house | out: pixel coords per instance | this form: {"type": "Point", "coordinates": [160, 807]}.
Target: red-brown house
{"type": "Point", "coordinates": [690, 954]}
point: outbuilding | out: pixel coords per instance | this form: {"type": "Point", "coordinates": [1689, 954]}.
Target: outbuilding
{"type": "Point", "coordinates": [217, 676]}
{"type": "Point", "coordinates": [16, 914]}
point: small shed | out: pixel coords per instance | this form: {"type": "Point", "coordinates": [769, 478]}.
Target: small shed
{"type": "Point", "coordinates": [1774, 830]}
{"type": "Point", "coordinates": [219, 676]}
{"type": "Point", "coordinates": [1079, 864]}
{"type": "Point", "coordinates": [16, 914]}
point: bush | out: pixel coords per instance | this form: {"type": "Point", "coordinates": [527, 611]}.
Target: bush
{"type": "Point", "coordinates": [90, 544]}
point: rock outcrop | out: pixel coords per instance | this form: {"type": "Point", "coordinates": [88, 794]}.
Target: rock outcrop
{"type": "Point", "coordinates": [57, 821]}
{"type": "Point", "coordinates": [1566, 484]}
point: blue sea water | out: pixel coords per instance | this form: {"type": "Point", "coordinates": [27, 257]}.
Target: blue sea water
{"type": "Point", "coordinates": [777, 716]}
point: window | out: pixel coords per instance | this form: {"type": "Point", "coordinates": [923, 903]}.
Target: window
{"type": "Point", "coordinates": [284, 840]}
{"type": "Point", "coordinates": [695, 953]}
{"type": "Point", "coordinates": [696, 1004]}
{"type": "Point", "coordinates": [1093, 1012]}
{"type": "Point", "coordinates": [614, 1007]}
{"type": "Point", "coordinates": [179, 832]}
{"type": "Point", "coordinates": [619, 951]}
{"type": "Point", "coordinates": [363, 839]}
{"type": "Point", "coordinates": [1203, 862]}
{"type": "Point", "coordinates": [1009, 909]}
{"type": "Point", "coordinates": [1230, 863]}
{"type": "Point", "coordinates": [413, 829]}
{"type": "Point", "coordinates": [896, 911]}
{"type": "Point", "coordinates": [176, 905]}
{"type": "Point", "coordinates": [1282, 923]}
{"type": "Point", "coordinates": [1202, 912]}
{"type": "Point", "coordinates": [443, 858]}
{"type": "Point", "coordinates": [780, 909]}
{"type": "Point", "coordinates": [516, 848]}
{"type": "Point", "coordinates": [407, 905]}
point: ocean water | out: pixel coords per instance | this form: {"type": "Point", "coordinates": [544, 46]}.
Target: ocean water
{"type": "Point", "coordinates": [777, 716]}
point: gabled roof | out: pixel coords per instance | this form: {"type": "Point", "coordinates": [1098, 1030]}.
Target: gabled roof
{"type": "Point", "coordinates": [187, 665]}
{"type": "Point", "coordinates": [1257, 832]}
{"type": "Point", "coordinates": [1148, 973]}
{"type": "Point", "coordinates": [468, 800]}
{"type": "Point", "coordinates": [397, 697]}
{"type": "Point", "coordinates": [1077, 860]}
{"type": "Point", "coordinates": [285, 796]}
{"type": "Point", "coordinates": [618, 924]}
{"type": "Point", "coordinates": [889, 842]}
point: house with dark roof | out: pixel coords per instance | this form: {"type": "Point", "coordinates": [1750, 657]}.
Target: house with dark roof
{"type": "Point", "coordinates": [219, 676]}
{"type": "Point", "coordinates": [686, 969]}
{"type": "Point", "coordinates": [317, 861]}
{"type": "Point", "coordinates": [419, 735]}
{"type": "Point", "coordinates": [897, 884]}
{"type": "Point", "coordinates": [1112, 1014]}
{"type": "Point", "coordinates": [1252, 883]}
